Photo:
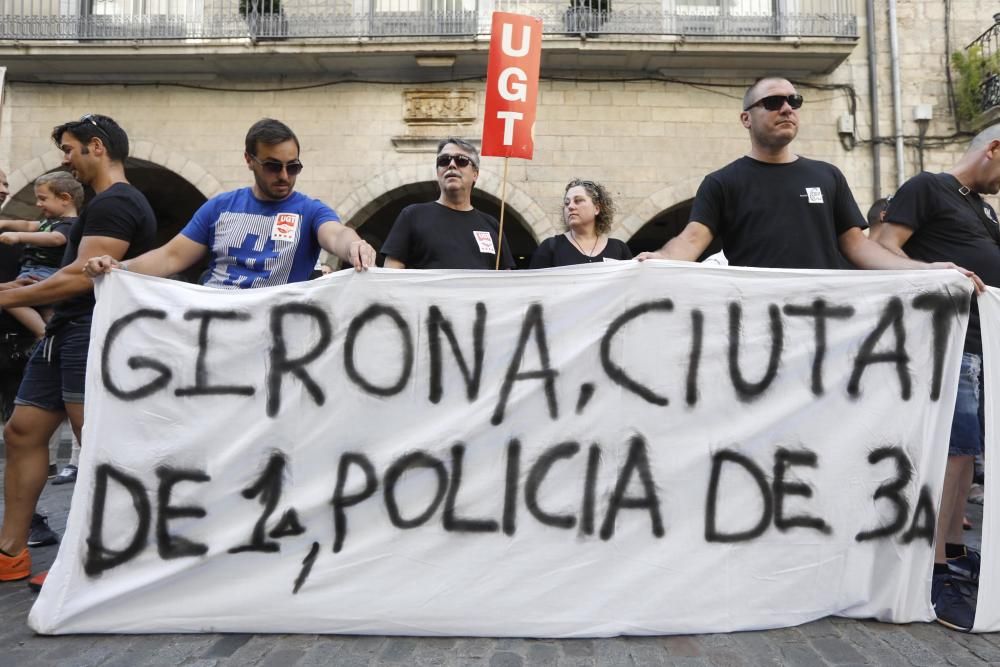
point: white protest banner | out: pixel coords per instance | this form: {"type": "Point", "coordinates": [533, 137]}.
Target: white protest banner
{"type": "Point", "coordinates": [589, 451]}
{"type": "Point", "coordinates": [988, 599]}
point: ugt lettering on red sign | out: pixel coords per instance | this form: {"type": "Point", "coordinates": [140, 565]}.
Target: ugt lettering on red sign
{"type": "Point", "coordinates": [512, 85]}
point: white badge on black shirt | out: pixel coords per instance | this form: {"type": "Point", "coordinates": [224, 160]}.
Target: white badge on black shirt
{"type": "Point", "coordinates": [485, 242]}
{"type": "Point", "coordinates": [815, 195]}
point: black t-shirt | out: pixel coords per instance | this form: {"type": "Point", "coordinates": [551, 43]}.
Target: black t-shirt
{"type": "Point", "coordinates": [10, 261]}
{"type": "Point", "coordinates": [433, 236]}
{"type": "Point", "coordinates": [120, 212]}
{"type": "Point", "coordinates": [50, 256]}
{"type": "Point", "coordinates": [947, 227]}
{"type": "Point", "coordinates": [788, 215]}
{"type": "Point", "coordinates": [560, 251]}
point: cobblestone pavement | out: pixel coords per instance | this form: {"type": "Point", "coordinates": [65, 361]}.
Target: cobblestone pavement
{"type": "Point", "coordinates": [831, 641]}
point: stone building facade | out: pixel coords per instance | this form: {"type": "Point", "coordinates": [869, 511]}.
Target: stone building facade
{"type": "Point", "coordinates": [647, 113]}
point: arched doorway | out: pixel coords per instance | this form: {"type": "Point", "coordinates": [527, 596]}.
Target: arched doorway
{"type": "Point", "coordinates": [375, 227]}
{"type": "Point", "coordinates": [664, 226]}
{"type": "Point", "coordinates": [173, 199]}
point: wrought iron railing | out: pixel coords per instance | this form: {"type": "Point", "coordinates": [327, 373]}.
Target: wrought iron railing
{"type": "Point", "coordinates": [280, 19]}
{"type": "Point", "coordinates": [989, 46]}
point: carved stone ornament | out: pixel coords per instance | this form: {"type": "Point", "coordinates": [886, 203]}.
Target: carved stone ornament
{"type": "Point", "coordinates": [439, 107]}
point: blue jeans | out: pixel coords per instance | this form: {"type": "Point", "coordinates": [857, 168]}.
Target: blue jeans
{"type": "Point", "coordinates": [967, 426]}
{"type": "Point", "coordinates": [36, 271]}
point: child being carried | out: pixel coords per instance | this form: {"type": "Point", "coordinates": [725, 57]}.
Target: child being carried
{"type": "Point", "coordinates": [59, 196]}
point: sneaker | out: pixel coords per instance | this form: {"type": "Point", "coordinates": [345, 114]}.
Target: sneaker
{"type": "Point", "coordinates": [40, 534]}
{"type": "Point", "coordinates": [36, 582]}
{"type": "Point", "coordinates": [52, 470]}
{"type": "Point", "coordinates": [966, 567]}
{"type": "Point", "coordinates": [977, 494]}
{"type": "Point", "coordinates": [950, 607]}
{"type": "Point", "coordinates": [67, 475]}
{"type": "Point", "coordinates": [16, 567]}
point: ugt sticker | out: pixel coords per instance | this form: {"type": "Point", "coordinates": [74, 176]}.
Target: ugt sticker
{"type": "Point", "coordinates": [485, 242]}
{"type": "Point", "coordinates": [284, 228]}
{"type": "Point", "coordinates": [815, 195]}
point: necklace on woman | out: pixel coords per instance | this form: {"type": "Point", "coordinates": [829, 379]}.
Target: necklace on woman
{"type": "Point", "coordinates": [589, 255]}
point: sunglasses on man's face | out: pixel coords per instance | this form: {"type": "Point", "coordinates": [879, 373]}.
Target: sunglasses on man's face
{"type": "Point", "coordinates": [461, 161]}
{"type": "Point", "coordinates": [775, 102]}
{"type": "Point", "coordinates": [293, 167]}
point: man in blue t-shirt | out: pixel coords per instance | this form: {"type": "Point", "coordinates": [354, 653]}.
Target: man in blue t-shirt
{"type": "Point", "coordinates": [259, 236]}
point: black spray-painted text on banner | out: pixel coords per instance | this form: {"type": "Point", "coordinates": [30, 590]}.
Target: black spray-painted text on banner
{"type": "Point", "coordinates": [146, 376]}
{"type": "Point", "coordinates": [900, 511]}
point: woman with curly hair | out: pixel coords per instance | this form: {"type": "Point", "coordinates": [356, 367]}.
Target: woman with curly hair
{"type": "Point", "coordinates": [587, 213]}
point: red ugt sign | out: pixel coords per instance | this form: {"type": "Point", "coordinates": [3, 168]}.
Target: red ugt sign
{"type": "Point", "coordinates": [512, 85]}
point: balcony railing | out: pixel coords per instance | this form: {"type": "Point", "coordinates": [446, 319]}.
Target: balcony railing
{"type": "Point", "coordinates": [109, 20]}
{"type": "Point", "coordinates": [989, 47]}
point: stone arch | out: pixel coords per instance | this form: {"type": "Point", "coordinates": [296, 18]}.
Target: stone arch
{"type": "Point", "coordinates": [180, 164]}
{"type": "Point", "coordinates": [661, 200]}
{"type": "Point", "coordinates": [369, 197]}
{"type": "Point", "coordinates": [147, 151]}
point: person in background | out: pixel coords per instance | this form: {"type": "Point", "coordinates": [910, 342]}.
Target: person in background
{"type": "Point", "coordinates": [59, 196]}
{"type": "Point", "coordinates": [876, 216]}
{"type": "Point", "coordinates": [588, 212]}
{"type": "Point", "coordinates": [944, 218]}
{"type": "Point", "coordinates": [449, 233]}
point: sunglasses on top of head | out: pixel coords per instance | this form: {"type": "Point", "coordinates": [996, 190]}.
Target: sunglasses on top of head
{"type": "Point", "coordinates": [775, 102]}
{"type": "Point", "coordinates": [461, 161]}
{"type": "Point", "coordinates": [293, 167]}
{"type": "Point", "coordinates": [579, 182]}
{"type": "Point", "coordinates": [89, 119]}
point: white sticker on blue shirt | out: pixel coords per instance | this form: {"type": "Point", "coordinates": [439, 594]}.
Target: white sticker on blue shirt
{"type": "Point", "coordinates": [285, 225]}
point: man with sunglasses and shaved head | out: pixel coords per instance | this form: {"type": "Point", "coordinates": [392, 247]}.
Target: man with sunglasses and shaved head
{"type": "Point", "coordinates": [776, 209]}
{"type": "Point", "coordinates": [448, 233]}
{"type": "Point", "coordinates": [118, 223]}
{"type": "Point", "coordinates": [258, 236]}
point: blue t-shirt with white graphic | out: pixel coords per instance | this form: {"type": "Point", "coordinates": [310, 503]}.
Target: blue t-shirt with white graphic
{"type": "Point", "coordinates": [258, 243]}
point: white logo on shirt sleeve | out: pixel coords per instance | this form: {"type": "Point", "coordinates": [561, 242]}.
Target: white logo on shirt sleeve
{"type": "Point", "coordinates": [485, 242]}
